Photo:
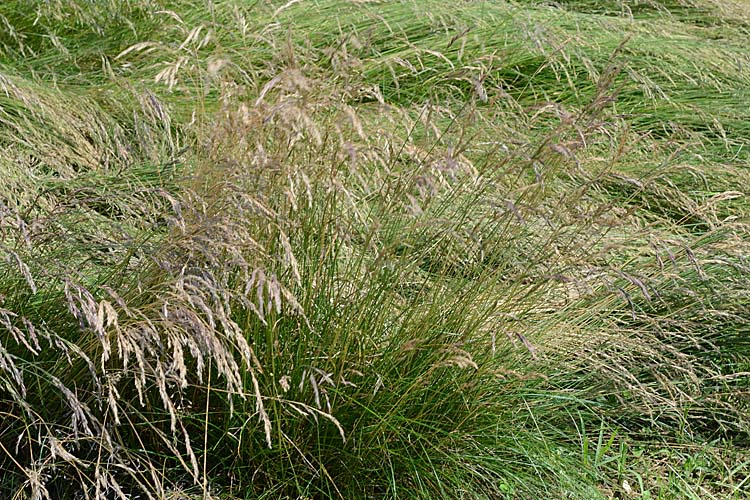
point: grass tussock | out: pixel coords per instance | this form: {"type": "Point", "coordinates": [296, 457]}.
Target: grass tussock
{"type": "Point", "coordinates": [373, 250]}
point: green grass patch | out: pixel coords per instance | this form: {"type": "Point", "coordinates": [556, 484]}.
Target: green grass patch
{"type": "Point", "coordinates": [336, 249]}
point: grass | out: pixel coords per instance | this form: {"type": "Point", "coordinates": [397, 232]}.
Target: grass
{"type": "Point", "coordinates": [336, 249]}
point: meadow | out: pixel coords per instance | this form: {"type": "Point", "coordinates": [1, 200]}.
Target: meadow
{"type": "Point", "coordinates": [397, 249]}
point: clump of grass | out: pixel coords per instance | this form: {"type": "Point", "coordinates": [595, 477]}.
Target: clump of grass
{"type": "Point", "coordinates": [399, 256]}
